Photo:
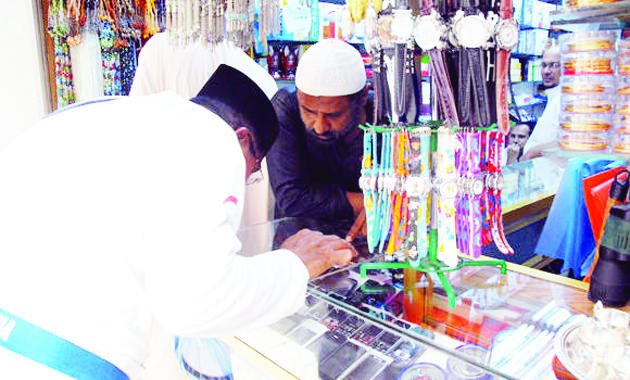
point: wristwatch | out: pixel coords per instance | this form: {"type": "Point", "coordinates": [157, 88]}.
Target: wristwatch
{"type": "Point", "coordinates": [367, 183]}
{"type": "Point", "coordinates": [506, 37]}
{"type": "Point", "coordinates": [430, 33]}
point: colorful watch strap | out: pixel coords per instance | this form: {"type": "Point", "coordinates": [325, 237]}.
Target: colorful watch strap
{"type": "Point", "coordinates": [367, 182]}
{"type": "Point", "coordinates": [447, 190]}
{"type": "Point", "coordinates": [495, 183]}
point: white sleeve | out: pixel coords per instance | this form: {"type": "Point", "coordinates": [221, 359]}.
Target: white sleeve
{"type": "Point", "coordinates": [195, 281]}
{"type": "Point", "coordinates": [546, 129]}
{"type": "Point", "coordinates": [149, 73]}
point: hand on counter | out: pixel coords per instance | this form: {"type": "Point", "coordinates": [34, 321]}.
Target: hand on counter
{"type": "Point", "coordinates": [319, 252]}
{"type": "Point", "coordinates": [359, 227]}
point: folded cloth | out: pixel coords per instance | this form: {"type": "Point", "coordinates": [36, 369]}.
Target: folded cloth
{"type": "Point", "coordinates": [567, 233]}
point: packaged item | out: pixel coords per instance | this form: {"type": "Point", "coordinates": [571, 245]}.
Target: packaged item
{"type": "Point", "coordinates": [623, 85]}
{"type": "Point", "coordinates": [623, 105]}
{"type": "Point", "coordinates": [621, 123]}
{"type": "Point", "coordinates": [426, 371]}
{"type": "Point", "coordinates": [588, 104]}
{"type": "Point", "coordinates": [586, 3]}
{"type": "Point", "coordinates": [585, 122]}
{"type": "Point", "coordinates": [623, 47]}
{"type": "Point", "coordinates": [583, 141]}
{"type": "Point", "coordinates": [588, 85]}
{"type": "Point", "coordinates": [460, 370]}
{"type": "Point", "coordinates": [588, 63]}
{"type": "Point", "coordinates": [620, 142]}
{"type": "Point", "coordinates": [588, 42]}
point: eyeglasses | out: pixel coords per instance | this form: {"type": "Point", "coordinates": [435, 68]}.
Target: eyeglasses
{"type": "Point", "coordinates": [551, 65]}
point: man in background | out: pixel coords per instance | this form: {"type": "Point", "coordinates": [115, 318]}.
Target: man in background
{"type": "Point", "coordinates": [314, 165]}
{"type": "Point", "coordinates": [516, 142]}
{"type": "Point", "coordinates": [545, 133]}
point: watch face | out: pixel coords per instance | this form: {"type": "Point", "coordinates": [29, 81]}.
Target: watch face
{"type": "Point", "coordinates": [402, 25]}
{"type": "Point", "coordinates": [499, 182]}
{"type": "Point", "coordinates": [448, 189]}
{"type": "Point", "coordinates": [476, 188]}
{"type": "Point", "coordinates": [507, 34]}
{"type": "Point", "coordinates": [427, 32]}
{"type": "Point", "coordinates": [472, 31]}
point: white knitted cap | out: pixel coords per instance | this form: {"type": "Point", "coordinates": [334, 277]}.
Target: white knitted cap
{"type": "Point", "coordinates": [331, 67]}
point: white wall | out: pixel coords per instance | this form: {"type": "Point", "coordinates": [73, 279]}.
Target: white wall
{"type": "Point", "coordinates": [24, 96]}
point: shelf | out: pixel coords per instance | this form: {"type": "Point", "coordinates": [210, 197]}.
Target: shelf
{"type": "Point", "coordinates": [530, 27]}
{"type": "Point", "coordinates": [306, 42]}
{"type": "Point", "coordinates": [608, 16]}
{"type": "Point", "coordinates": [525, 56]}
{"type": "Point", "coordinates": [573, 154]}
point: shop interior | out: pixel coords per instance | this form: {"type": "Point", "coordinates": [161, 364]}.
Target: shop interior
{"type": "Point", "coordinates": [514, 305]}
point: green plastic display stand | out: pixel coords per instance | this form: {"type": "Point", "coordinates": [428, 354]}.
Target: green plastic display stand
{"type": "Point", "coordinates": [432, 264]}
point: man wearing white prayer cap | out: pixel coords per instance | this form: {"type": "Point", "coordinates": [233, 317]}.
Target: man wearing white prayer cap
{"type": "Point", "coordinates": [315, 163]}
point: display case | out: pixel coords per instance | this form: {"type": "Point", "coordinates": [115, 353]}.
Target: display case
{"type": "Point", "coordinates": [396, 323]}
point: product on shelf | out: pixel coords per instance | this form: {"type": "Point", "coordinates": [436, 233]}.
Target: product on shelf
{"type": "Point", "coordinates": [585, 123]}
{"type": "Point", "coordinates": [624, 90]}
{"type": "Point", "coordinates": [588, 85]}
{"type": "Point", "coordinates": [587, 3]}
{"type": "Point", "coordinates": [593, 104]}
{"type": "Point", "coordinates": [588, 63]}
{"type": "Point", "coordinates": [588, 42]}
{"type": "Point", "coordinates": [621, 123]}
{"type": "Point", "coordinates": [582, 141]}
{"type": "Point", "coordinates": [620, 142]}
{"type": "Point", "coordinates": [623, 47]}
{"type": "Point", "coordinates": [624, 69]}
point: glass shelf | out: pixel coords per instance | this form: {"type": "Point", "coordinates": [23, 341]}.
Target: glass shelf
{"type": "Point", "coordinates": [391, 306]}
{"type": "Point", "coordinates": [608, 16]}
{"type": "Point", "coordinates": [557, 152]}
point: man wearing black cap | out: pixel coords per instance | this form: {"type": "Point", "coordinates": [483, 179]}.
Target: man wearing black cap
{"type": "Point", "coordinates": [121, 213]}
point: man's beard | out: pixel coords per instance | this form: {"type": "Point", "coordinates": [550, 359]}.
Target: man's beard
{"type": "Point", "coordinates": [331, 137]}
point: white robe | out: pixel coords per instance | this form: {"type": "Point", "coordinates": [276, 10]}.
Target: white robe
{"type": "Point", "coordinates": [164, 66]}
{"type": "Point", "coordinates": [548, 125]}
{"type": "Point", "coordinates": [116, 214]}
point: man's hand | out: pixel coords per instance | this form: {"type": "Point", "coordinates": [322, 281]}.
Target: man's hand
{"type": "Point", "coordinates": [319, 252]}
{"type": "Point", "coordinates": [356, 201]}
{"type": "Point", "coordinates": [513, 151]}
{"type": "Point", "coordinates": [537, 150]}
{"type": "Point", "coordinates": [359, 227]}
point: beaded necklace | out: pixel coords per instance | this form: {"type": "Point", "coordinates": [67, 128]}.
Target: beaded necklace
{"type": "Point", "coordinates": [58, 29]}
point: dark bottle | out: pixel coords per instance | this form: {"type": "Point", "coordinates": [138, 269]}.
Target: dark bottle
{"type": "Point", "coordinates": [610, 282]}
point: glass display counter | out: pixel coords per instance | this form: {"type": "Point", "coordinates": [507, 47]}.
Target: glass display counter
{"type": "Point", "coordinates": [397, 323]}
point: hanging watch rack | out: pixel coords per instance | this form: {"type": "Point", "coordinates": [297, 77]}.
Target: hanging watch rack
{"type": "Point", "coordinates": [387, 189]}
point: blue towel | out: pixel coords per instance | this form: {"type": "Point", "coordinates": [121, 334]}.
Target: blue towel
{"type": "Point", "coordinates": [567, 233]}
